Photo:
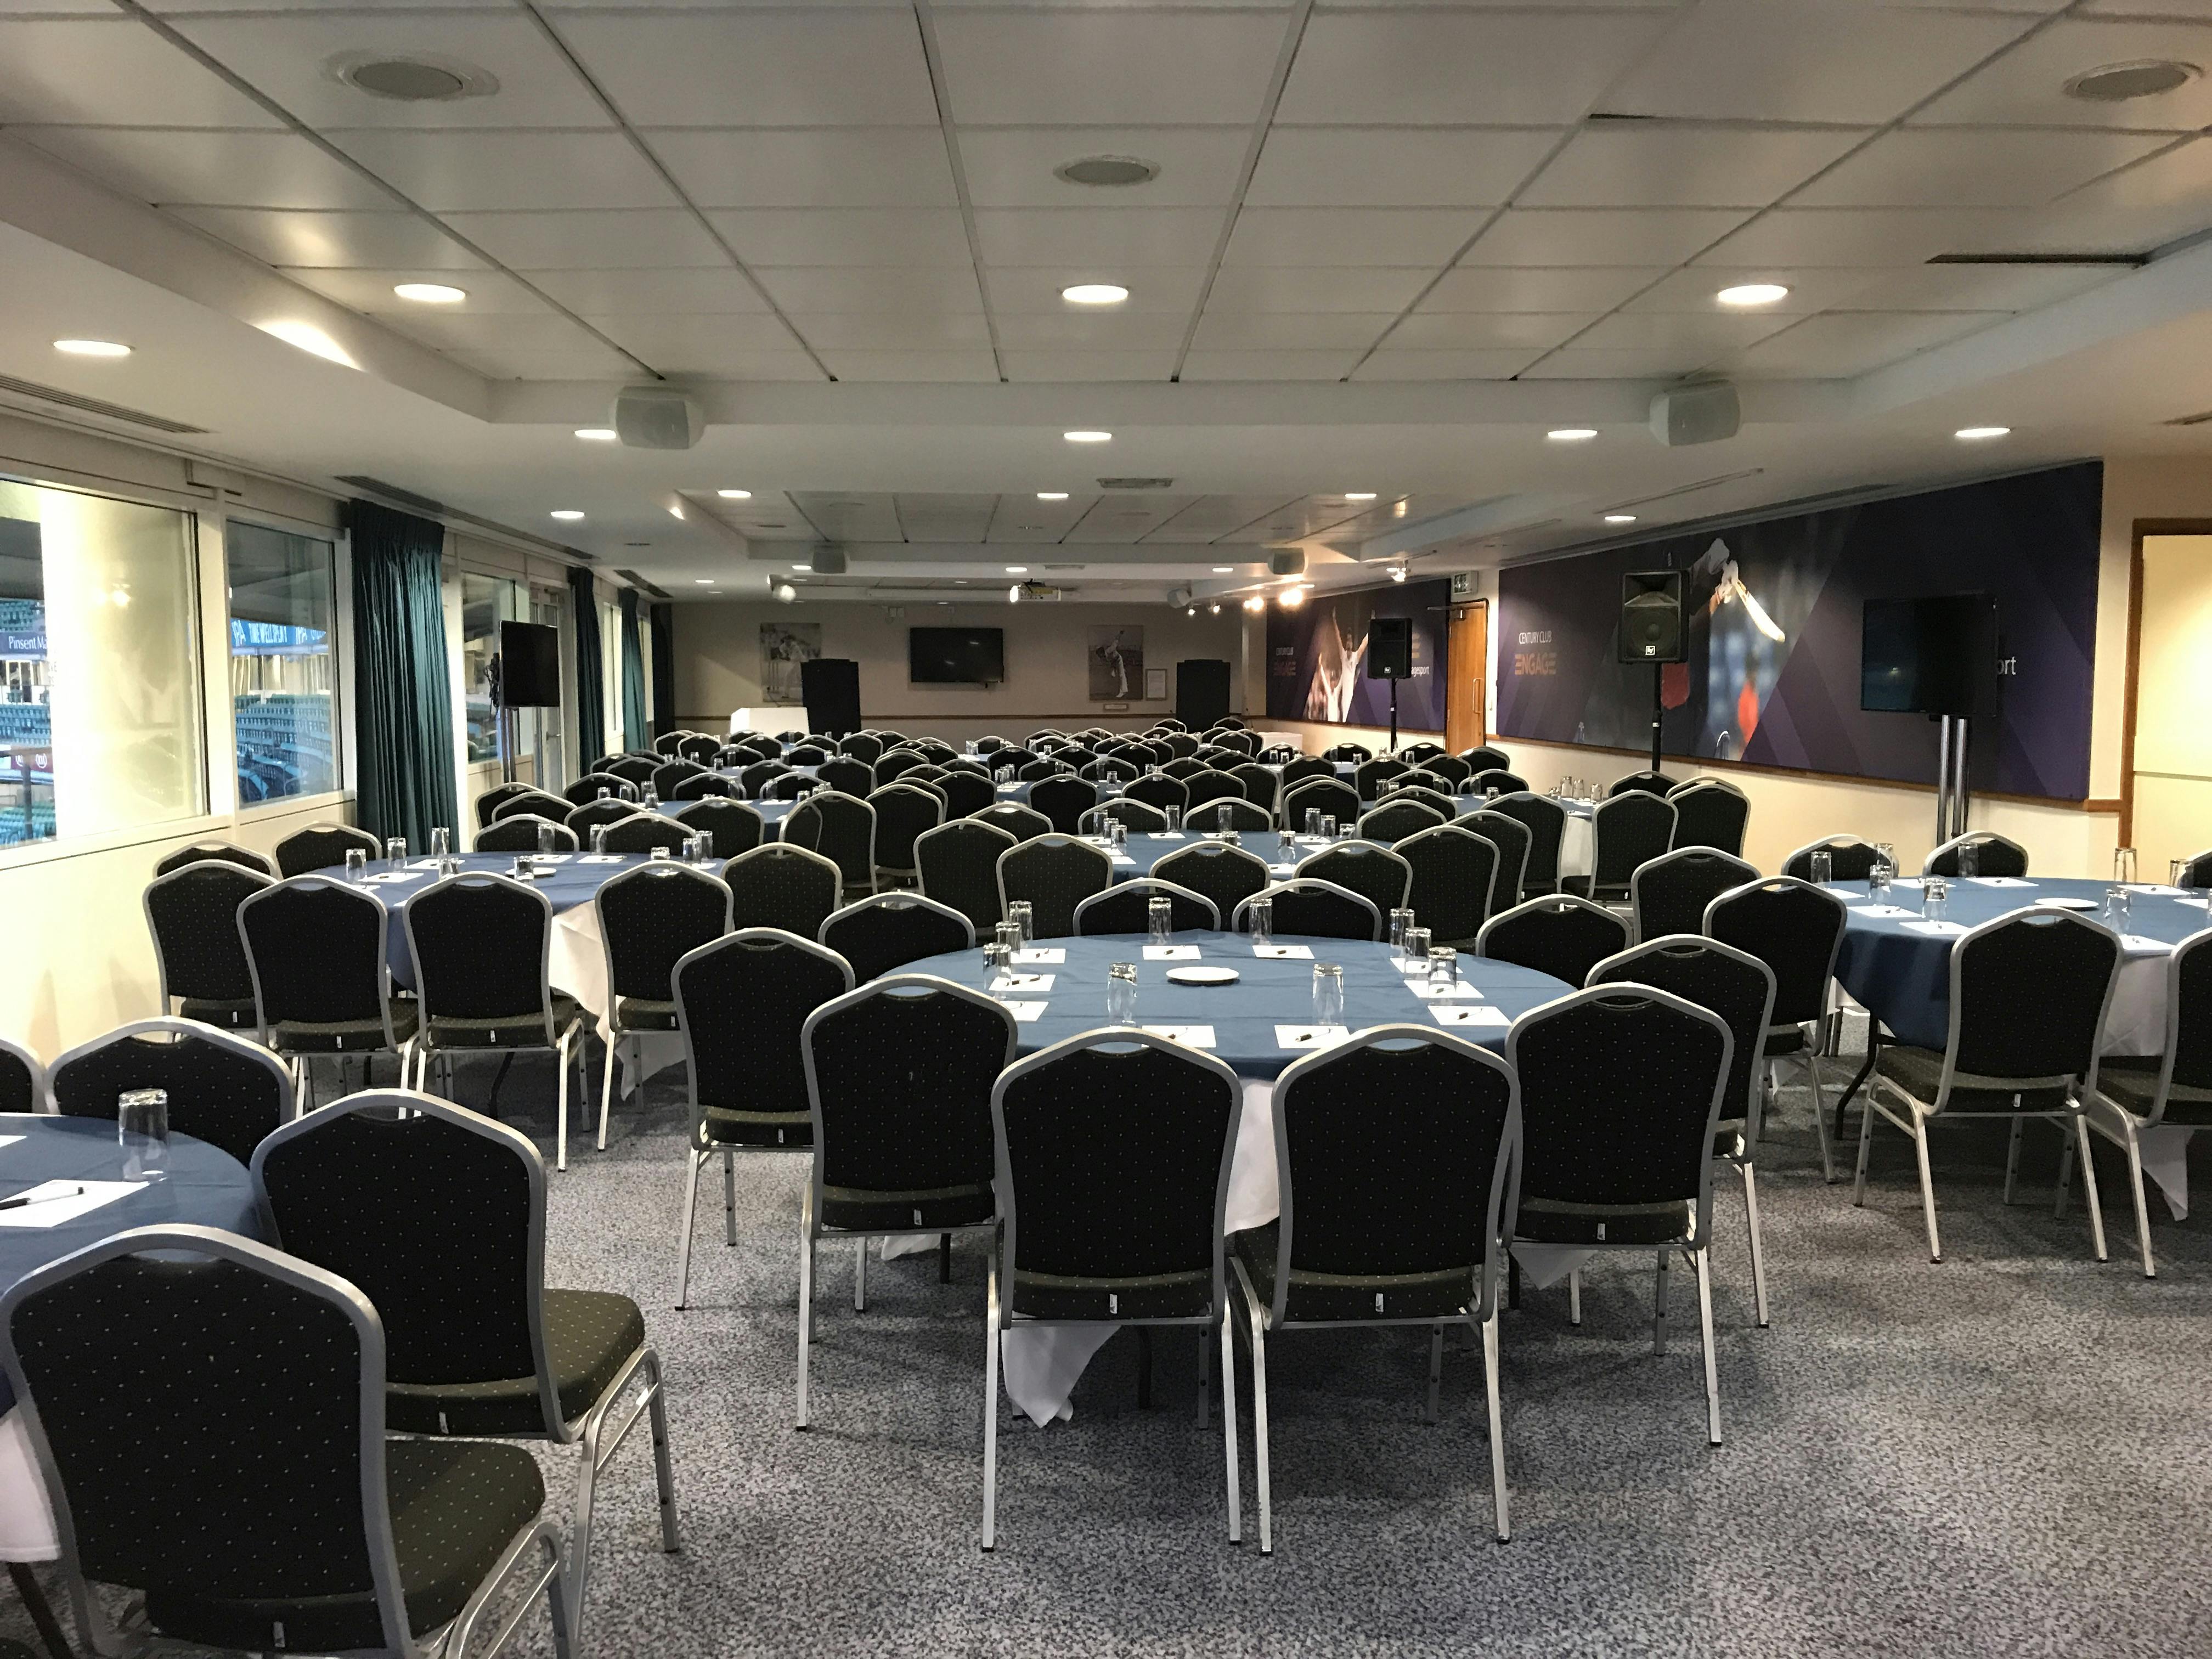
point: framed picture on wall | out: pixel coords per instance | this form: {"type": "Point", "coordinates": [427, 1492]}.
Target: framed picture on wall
{"type": "Point", "coordinates": [1155, 685]}
{"type": "Point", "coordinates": [783, 646]}
{"type": "Point", "coordinates": [1117, 663]}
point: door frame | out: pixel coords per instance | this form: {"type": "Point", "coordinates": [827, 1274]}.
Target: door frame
{"type": "Point", "coordinates": [1455, 621]}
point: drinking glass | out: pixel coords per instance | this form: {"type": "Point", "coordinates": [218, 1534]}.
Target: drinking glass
{"type": "Point", "coordinates": [1313, 822]}
{"type": "Point", "coordinates": [1970, 861]}
{"type": "Point", "coordinates": [598, 838]}
{"type": "Point", "coordinates": [998, 960]}
{"type": "Point", "coordinates": [141, 1129]}
{"type": "Point", "coordinates": [1935, 896]}
{"type": "Point", "coordinates": [442, 841]}
{"type": "Point", "coordinates": [2174, 869]}
{"type": "Point", "coordinates": [521, 868]}
{"type": "Point", "coordinates": [1175, 820]}
{"type": "Point", "coordinates": [1223, 818]}
{"type": "Point", "coordinates": [1824, 868]}
{"type": "Point", "coordinates": [2118, 901]}
{"type": "Point", "coordinates": [1008, 934]}
{"type": "Point", "coordinates": [1489, 792]}
{"type": "Point", "coordinates": [1121, 992]}
{"type": "Point", "coordinates": [1117, 834]}
{"type": "Point", "coordinates": [1878, 875]}
{"type": "Point", "coordinates": [1400, 919]}
{"type": "Point", "coordinates": [1416, 955]}
{"type": "Point", "coordinates": [696, 848]}
{"type": "Point", "coordinates": [1260, 917]}
{"type": "Point", "coordinates": [654, 853]}
{"type": "Point", "coordinates": [2123, 864]}
{"type": "Point", "coordinates": [395, 851]}
{"type": "Point", "coordinates": [1003, 774]}
{"type": "Point", "coordinates": [605, 794]}
{"type": "Point", "coordinates": [1329, 993]}
{"type": "Point", "coordinates": [1443, 965]}
{"type": "Point", "coordinates": [651, 802]}
{"type": "Point", "coordinates": [449, 866]}
{"type": "Point", "coordinates": [1159, 920]}
{"type": "Point", "coordinates": [1328, 826]}
{"type": "Point", "coordinates": [1023, 916]}
{"type": "Point", "coordinates": [356, 864]}
{"type": "Point", "coordinates": [1888, 851]}
{"type": "Point", "coordinates": [548, 835]}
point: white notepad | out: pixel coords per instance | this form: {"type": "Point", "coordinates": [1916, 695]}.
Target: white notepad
{"type": "Point", "coordinates": [601, 858]}
{"type": "Point", "coordinates": [1997, 881]}
{"type": "Point", "coordinates": [1452, 1014]}
{"type": "Point", "coordinates": [1039, 956]}
{"type": "Point", "coordinates": [1282, 869]}
{"type": "Point", "coordinates": [1310, 1036]}
{"type": "Point", "coordinates": [396, 875]}
{"type": "Point", "coordinates": [2136, 942]}
{"type": "Point", "coordinates": [1283, 952]}
{"type": "Point", "coordinates": [1457, 990]}
{"type": "Point", "coordinates": [1023, 1012]}
{"type": "Point", "coordinates": [52, 1213]}
{"type": "Point", "coordinates": [1886, 910]}
{"type": "Point", "coordinates": [1191, 1036]}
{"type": "Point", "coordinates": [1123, 858]}
{"type": "Point", "coordinates": [1937, 929]}
{"type": "Point", "coordinates": [1171, 953]}
{"type": "Point", "coordinates": [1039, 983]}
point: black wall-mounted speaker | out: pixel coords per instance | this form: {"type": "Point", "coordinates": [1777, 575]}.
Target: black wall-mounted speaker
{"type": "Point", "coordinates": [1390, 649]}
{"type": "Point", "coordinates": [1651, 617]}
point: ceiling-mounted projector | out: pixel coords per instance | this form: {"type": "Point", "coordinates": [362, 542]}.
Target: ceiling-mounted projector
{"type": "Point", "coordinates": [657, 417]}
{"type": "Point", "coordinates": [1287, 561]}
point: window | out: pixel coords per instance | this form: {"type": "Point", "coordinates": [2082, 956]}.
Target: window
{"type": "Point", "coordinates": [486, 602]}
{"type": "Point", "coordinates": [100, 691]}
{"type": "Point", "coordinates": [283, 673]}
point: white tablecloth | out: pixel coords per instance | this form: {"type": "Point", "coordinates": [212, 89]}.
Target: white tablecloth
{"type": "Point", "coordinates": [27, 1518]}
{"type": "Point", "coordinates": [577, 963]}
{"type": "Point", "coordinates": [1576, 841]}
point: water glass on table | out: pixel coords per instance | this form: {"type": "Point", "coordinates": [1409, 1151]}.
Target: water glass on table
{"type": "Point", "coordinates": [442, 841]}
{"type": "Point", "coordinates": [1023, 915]}
{"type": "Point", "coordinates": [1443, 965]}
{"type": "Point", "coordinates": [1159, 918]}
{"type": "Point", "coordinates": [549, 835]}
{"type": "Point", "coordinates": [1327, 831]}
{"type": "Point", "coordinates": [1400, 919]}
{"type": "Point", "coordinates": [141, 1129]}
{"type": "Point", "coordinates": [1878, 877]}
{"type": "Point", "coordinates": [1259, 917]}
{"type": "Point", "coordinates": [1935, 896]}
{"type": "Point", "coordinates": [395, 851]}
{"type": "Point", "coordinates": [1313, 823]}
{"type": "Point", "coordinates": [1329, 993]}
{"type": "Point", "coordinates": [599, 839]}
{"type": "Point", "coordinates": [1415, 956]}
{"type": "Point", "coordinates": [1009, 937]}
{"type": "Point", "coordinates": [1117, 834]}
{"type": "Point", "coordinates": [2123, 865]}
{"type": "Point", "coordinates": [1969, 861]}
{"type": "Point", "coordinates": [698, 849]}
{"type": "Point", "coordinates": [1121, 992]}
{"type": "Point", "coordinates": [356, 864]}
{"type": "Point", "coordinates": [1824, 868]}
{"type": "Point", "coordinates": [2118, 902]}
{"type": "Point", "coordinates": [1175, 818]}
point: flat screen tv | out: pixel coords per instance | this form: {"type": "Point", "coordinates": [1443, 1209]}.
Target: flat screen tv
{"type": "Point", "coordinates": [1930, 656]}
{"type": "Point", "coordinates": [529, 666]}
{"type": "Point", "coordinates": [956, 656]}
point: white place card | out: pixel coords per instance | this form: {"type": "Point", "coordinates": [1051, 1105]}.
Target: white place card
{"type": "Point", "coordinates": [53, 1212]}
{"type": "Point", "coordinates": [1457, 990]}
{"type": "Point", "coordinates": [1166, 834]}
{"type": "Point", "coordinates": [1171, 953]}
{"type": "Point", "coordinates": [1123, 858]}
{"type": "Point", "coordinates": [9, 1140]}
{"type": "Point", "coordinates": [1191, 1036]}
{"type": "Point", "coordinates": [423, 864]}
{"type": "Point", "coordinates": [600, 858]}
{"type": "Point", "coordinates": [1039, 983]}
{"type": "Point", "coordinates": [2157, 889]}
{"type": "Point", "coordinates": [1284, 952]}
{"type": "Point", "coordinates": [2139, 944]}
{"type": "Point", "coordinates": [1040, 955]}
{"type": "Point", "coordinates": [1847, 894]}
{"type": "Point", "coordinates": [1023, 1012]}
{"type": "Point", "coordinates": [1282, 869]}
{"type": "Point", "coordinates": [396, 875]}
{"type": "Point", "coordinates": [1997, 881]}
{"type": "Point", "coordinates": [1886, 910]}
{"type": "Point", "coordinates": [2198, 904]}
{"type": "Point", "coordinates": [1937, 929]}
{"type": "Point", "coordinates": [1904, 881]}
{"type": "Point", "coordinates": [552, 858]}
{"type": "Point", "coordinates": [1299, 1037]}
{"type": "Point", "coordinates": [1480, 1015]}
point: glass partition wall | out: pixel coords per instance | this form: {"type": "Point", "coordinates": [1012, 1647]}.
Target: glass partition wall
{"type": "Point", "coordinates": [283, 633]}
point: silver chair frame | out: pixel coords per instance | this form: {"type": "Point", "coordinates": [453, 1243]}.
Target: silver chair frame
{"type": "Point", "coordinates": [1679, 855]}
{"type": "Point", "coordinates": [266, 1033]}
{"type": "Point", "coordinates": [1976, 838]}
{"type": "Point", "coordinates": [41, 1090]}
{"type": "Point", "coordinates": [154, 933]}
{"type": "Point", "coordinates": [902, 899]}
{"type": "Point", "coordinates": [171, 1026]}
{"type": "Point", "coordinates": [1152, 887]}
{"type": "Point", "coordinates": [1307, 885]}
{"type": "Point", "coordinates": [613, 1033]}
{"type": "Point", "coordinates": [1359, 849]}
{"type": "Point", "coordinates": [1822, 1031]}
{"type": "Point", "coordinates": [1053, 838]}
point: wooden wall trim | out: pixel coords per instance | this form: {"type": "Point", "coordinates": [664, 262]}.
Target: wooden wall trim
{"type": "Point", "coordinates": [2141, 528]}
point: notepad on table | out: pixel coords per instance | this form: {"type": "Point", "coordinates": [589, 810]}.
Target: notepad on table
{"type": "Point", "coordinates": [45, 1212]}
{"type": "Point", "coordinates": [1039, 983]}
{"type": "Point", "coordinates": [1482, 1014]}
{"type": "Point", "coordinates": [1191, 1036]}
{"type": "Point", "coordinates": [1283, 952]}
{"type": "Point", "coordinates": [1023, 1012]}
{"type": "Point", "coordinates": [1040, 956]}
{"type": "Point", "coordinates": [1310, 1036]}
{"type": "Point", "coordinates": [1171, 953]}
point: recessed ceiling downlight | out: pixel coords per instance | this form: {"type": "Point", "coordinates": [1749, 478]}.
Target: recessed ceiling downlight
{"type": "Point", "coordinates": [1108, 170]}
{"type": "Point", "coordinates": [430, 294]}
{"type": "Point", "coordinates": [2141, 77]}
{"type": "Point", "coordinates": [1094, 294]}
{"type": "Point", "coordinates": [412, 80]}
{"type": "Point", "coordinates": [1753, 293]}
{"type": "Point", "coordinates": [93, 347]}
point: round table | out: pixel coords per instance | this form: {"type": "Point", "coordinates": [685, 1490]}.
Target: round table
{"type": "Point", "coordinates": [202, 1185]}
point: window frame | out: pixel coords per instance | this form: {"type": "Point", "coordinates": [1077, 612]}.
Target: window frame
{"type": "Point", "coordinates": [341, 666]}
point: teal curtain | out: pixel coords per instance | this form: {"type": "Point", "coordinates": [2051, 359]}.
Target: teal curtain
{"type": "Point", "coordinates": [662, 620]}
{"type": "Point", "coordinates": [403, 700]}
{"type": "Point", "coordinates": [633, 675]}
{"type": "Point", "coordinates": [591, 706]}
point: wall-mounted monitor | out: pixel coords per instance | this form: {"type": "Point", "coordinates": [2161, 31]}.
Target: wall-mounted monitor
{"type": "Point", "coordinates": [1930, 656]}
{"type": "Point", "coordinates": [956, 656]}
{"type": "Point", "coordinates": [530, 665]}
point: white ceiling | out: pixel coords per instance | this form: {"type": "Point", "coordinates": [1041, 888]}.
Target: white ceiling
{"type": "Point", "coordinates": [1416, 200]}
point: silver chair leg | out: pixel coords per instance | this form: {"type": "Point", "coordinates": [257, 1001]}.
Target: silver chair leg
{"type": "Point", "coordinates": [1206, 1380]}
{"type": "Point", "coordinates": [806, 1292]}
{"type": "Point", "coordinates": [1435, 1370]}
{"type": "Point", "coordinates": [991, 1405]}
{"type": "Point", "coordinates": [1232, 1491]}
{"type": "Point", "coordinates": [663, 1466]}
{"type": "Point", "coordinates": [1701, 1259]}
{"type": "Point", "coordinates": [1659, 1306]}
{"type": "Point", "coordinates": [2143, 1203]}
{"type": "Point", "coordinates": [1574, 1296]}
{"type": "Point", "coordinates": [1263, 1484]}
{"type": "Point", "coordinates": [1820, 1122]}
{"type": "Point", "coordinates": [692, 1159]}
{"type": "Point", "coordinates": [607, 1085]}
{"type": "Point", "coordinates": [861, 1276]}
{"type": "Point", "coordinates": [1758, 1246]}
{"type": "Point", "coordinates": [2065, 1189]}
{"type": "Point", "coordinates": [2089, 1186]}
{"type": "Point", "coordinates": [1866, 1138]}
{"type": "Point", "coordinates": [729, 1196]}
{"type": "Point", "coordinates": [2012, 1161]}
{"type": "Point", "coordinates": [561, 1139]}
{"type": "Point", "coordinates": [1927, 1185]}
{"type": "Point", "coordinates": [1498, 1487]}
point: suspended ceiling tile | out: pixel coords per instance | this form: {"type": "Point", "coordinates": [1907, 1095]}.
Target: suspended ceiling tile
{"type": "Point", "coordinates": [844, 236]}
{"type": "Point", "coordinates": [1808, 60]}
{"type": "Point", "coordinates": [1096, 330]}
{"type": "Point", "coordinates": [1105, 237]}
{"type": "Point", "coordinates": [2026, 86]}
{"type": "Point", "coordinates": [1533, 68]}
{"type": "Point", "coordinates": [1344, 167]}
{"type": "Point", "coordinates": [1013, 167]}
{"type": "Point", "coordinates": [1838, 344]}
{"type": "Point", "coordinates": [1630, 363]}
{"type": "Point", "coordinates": [681, 291]}
{"type": "Point", "coordinates": [1600, 236]}
{"type": "Point", "coordinates": [1108, 67]}
{"type": "Point", "coordinates": [1209, 518]}
{"type": "Point", "coordinates": [602, 239]}
{"type": "Point", "coordinates": [1119, 517]}
{"type": "Point", "coordinates": [913, 330]}
{"type": "Point", "coordinates": [1647, 164]}
{"type": "Point", "coordinates": [1350, 236]}
{"type": "Point", "coordinates": [2136, 210]}
{"type": "Point", "coordinates": [1980, 288]}
{"type": "Point", "coordinates": [1315, 287]}
{"type": "Point", "coordinates": [371, 291]}
{"type": "Point", "coordinates": [1538, 287]}
{"type": "Point", "coordinates": [1307, 330]}
{"type": "Point", "coordinates": [866, 364]}
{"type": "Point", "coordinates": [1486, 331]}
{"type": "Point", "coordinates": [1501, 363]}
{"type": "Point", "coordinates": [844, 167]}
{"type": "Point", "coordinates": [509, 171]}
{"type": "Point", "coordinates": [850, 515]}
{"type": "Point", "coordinates": [1702, 334]}
{"type": "Point", "coordinates": [1024, 517]}
{"type": "Point", "coordinates": [944, 517]}
{"type": "Point", "coordinates": [809, 67]}
{"type": "Point", "coordinates": [1857, 236]}
{"type": "Point", "coordinates": [291, 57]}
{"type": "Point", "coordinates": [1961, 166]}
{"type": "Point", "coordinates": [584, 363]}
{"type": "Point", "coordinates": [333, 241]}
{"type": "Point", "coordinates": [672, 342]}
{"type": "Point", "coordinates": [804, 288]}
{"type": "Point", "coordinates": [546, 330]}
{"type": "Point", "coordinates": [1169, 290]}
{"type": "Point", "coordinates": [1269, 365]}
{"type": "Point", "coordinates": [1812, 288]}
{"type": "Point", "coordinates": [1079, 366]}
{"type": "Point", "coordinates": [112, 70]}
{"type": "Point", "coordinates": [223, 169]}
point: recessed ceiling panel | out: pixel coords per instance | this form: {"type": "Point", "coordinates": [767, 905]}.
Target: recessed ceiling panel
{"type": "Point", "coordinates": [1350, 236]}
{"type": "Point", "coordinates": [1429, 364]}
{"type": "Point", "coordinates": [850, 515]}
{"type": "Point", "coordinates": [823, 167]}
{"type": "Point", "coordinates": [1056, 364]}
{"type": "Point", "coordinates": [1105, 238]}
{"type": "Point", "coordinates": [974, 364]}
{"type": "Point", "coordinates": [367, 240]}
{"type": "Point", "coordinates": [1108, 66]}
{"type": "Point", "coordinates": [1013, 166]}
{"type": "Point", "coordinates": [1957, 167]}
{"type": "Point", "coordinates": [1860, 236]}
{"type": "Point", "coordinates": [844, 236]}
{"type": "Point", "coordinates": [679, 291]}
{"type": "Point", "coordinates": [1463, 330]}
{"type": "Point", "coordinates": [2026, 86]}
{"type": "Point", "coordinates": [1845, 343]}
{"type": "Point", "coordinates": [1126, 516]}
{"type": "Point", "coordinates": [608, 240]}
{"type": "Point", "coordinates": [927, 516]}
{"type": "Point", "coordinates": [111, 71]}
{"type": "Point", "coordinates": [1315, 287]}
{"type": "Point", "coordinates": [221, 169]}
{"type": "Point", "coordinates": [1438, 167]}
{"type": "Point", "coordinates": [509, 171]}
{"type": "Point", "coordinates": [1639, 164]}
{"type": "Point", "coordinates": [1600, 236]}
{"type": "Point", "coordinates": [1506, 288]}
{"type": "Point", "coordinates": [1024, 517]}
{"type": "Point", "coordinates": [801, 289]}
{"type": "Point", "coordinates": [371, 291]}
{"type": "Point", "coordinates": [1269, 365]}
{"type": "Point", "coordinates": [1307, 330]}
{"type": "Point", "coordinates": [1211, 518]}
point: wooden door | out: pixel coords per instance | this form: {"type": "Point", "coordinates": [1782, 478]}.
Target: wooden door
{"type": "Point", "coordinates": [1466, 660]}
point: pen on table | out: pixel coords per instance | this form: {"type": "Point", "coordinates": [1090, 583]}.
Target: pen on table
{"type": "Point", "coordinates": [22, 1199]}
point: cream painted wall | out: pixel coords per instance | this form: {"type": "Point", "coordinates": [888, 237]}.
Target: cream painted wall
{"type": "Point", "coordinates": [2174, 742]}
{"type": "Point", "coordinates": [1047, 683]}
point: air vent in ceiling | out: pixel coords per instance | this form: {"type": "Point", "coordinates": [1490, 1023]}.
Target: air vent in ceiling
{"type": "Point", "coordinates": [2141, 77]}
{"type": "Point", "coordinates": [49, 394]}
{"type": "Point", "coordinates": [411, 80]}
{"type": "Point", "coordinates": [641, 584]}
{"type": "Point", "coordinates": [1136, 484]}
{"type": "Point", "coordinates": [1618, 115]}
{"type": "Point", "coordinates": [2130, 259]}
{"type": "Point", "coordinates": [1110, 171]}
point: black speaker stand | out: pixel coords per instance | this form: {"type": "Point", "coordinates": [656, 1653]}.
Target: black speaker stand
{"type": "Point", "coordinates": [1658, 709]}
{"type": "Point", "coordinates": [1393, 715]}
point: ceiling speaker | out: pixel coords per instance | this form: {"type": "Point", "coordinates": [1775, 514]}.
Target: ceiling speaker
{"type": "Point", "coordinates": [1287, 561]}
{"type": "Point", "coordinates": [1696, 414]}
{"type": "Point", "coordinates": [657, 417]}
{"type": "Point", "coordinates": [828, 560]}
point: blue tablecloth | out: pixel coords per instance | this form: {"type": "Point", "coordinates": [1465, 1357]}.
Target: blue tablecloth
{"type": "Point", "coordinates": [1245, 1015]}
{"type": "Point", "coordinates": [202, 1185]}
{"type": "Point", "coordinates": [1901, 972]}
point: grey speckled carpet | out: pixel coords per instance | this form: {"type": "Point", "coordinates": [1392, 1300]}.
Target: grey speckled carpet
{"type": "Point", "coordinates": [2008, 1454]}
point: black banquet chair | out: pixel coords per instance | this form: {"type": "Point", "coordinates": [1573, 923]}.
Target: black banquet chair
{"type": "Point", "coordinates": [1627, 830]}
{"type": "Point", "coordinates": [1849, 859]}
{"type": "Point", "coordinates": [1053, 873]}
{"type": "Point", "coordinates": [22, 1079]}
{"type": "Point", "coordinates": [1622, 1088]}
{"type": "Point", "coordinates": [437, 1214]}
{"type": "Point", "coordinates": [320, 953]}
{"type": "Point", "coordinates": [1711, 812]}
{"type": "Point", "coordinates": [1126, 908]}
{"type": "Point", "coordinates": [650, 915]}
{"type": "Point", "coordinates": [703, 786]}
{"type": "Point", "coordinates": [201, 852]}
{"type": "Point", "coordinates": [1396, 1153]}
{"type": "Point", "coordinates": [1016, 819]}
{"type": "Point", "coordinates": [1327, 796]}
{"type": "Point", "coordinates": [1515, 842]}
{"type": "Point", "coordinates": [1225, 875]}
{"type": "Point", "coordinates": [1375, 873]}
{"type": "Point", "coordinates": [1113, 1156]}
{"type": "Point", "coordinates": [1132, 815]}
{"type": "Point", "coordinates": [1454, 878]}
{"type": "Point", "coordinates": [519, 834]}
{"type": "Point", "coordinates": [325, 845]}
{"type": "Point", "coordinates": [192, 915]}
{"type": "Point", "coordinates": [1669, 894]}
{"type": "Point", "coordinates": [1227, 812]}
{"type": "Point", "coordinates": [168, 1367]}
{"type": "Point", "coordinates": [731, 826]}
{"type": "Point", "coordinates": [538, 802]}
{"type": "Point", "coordinates": [647, 832]}
{"type": "Point", "coordinates": [2029, 994]}
{"type": "Point", "coordinates": [741, 1002]}
{"type": "Point", "coordinates": [1648, 781]}
{"type": "Point", "coordinates": [1796, 929]}
{"type": "Point", "coordinates": [1558, 934]}
{"type": "Point", "coordinates": [1543, 823]}
{"type": "Point", "coordinates": [778, 885]}
{"type": "Point", "coordinates": [958, 864]}
{"type": "Point", "coordinates": [2172, 1087]}
{"type": "Point", "coordinates": [1396, 819]}
{"type": "Point", "coordinates": [898, 1079]}
{"type": "Point", "coordinates": [903, 812]}
{"type": "Point", "coordinates": [853, 777]}
{"type": "Point", "coordinates": [1160, 791]}
{"type": "Point", "coordinates": [1064, 801]}
{"type": "Point", "coordinates": [886, 931]}
{"type": "Point", "coordinates": [221, 1089]}
{"type": "Point", "coordinates": [582, 820]}
{"type": "Point", "coordinates": [479, 942]}
{"type": "Point", "coordinates": [1485, 757]}
{"type": "Point", "coordinates": [1306, 908]}
{"type": "Point", "coordinates": [1994, 855]}
{"type": "Point", "coordinates": [487, 804]}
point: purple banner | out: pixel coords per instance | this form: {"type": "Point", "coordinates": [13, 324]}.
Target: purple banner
{"type": "Point", "coordinates": [1773, 612]}
{"type": "Point", "coordinates": [1317, 657]}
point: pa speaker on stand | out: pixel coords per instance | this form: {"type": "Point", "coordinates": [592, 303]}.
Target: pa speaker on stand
{"type": "Point", "coordinates": [831, 687]}
{"type": "Point", "coordinates": [1390, 657]}
{"type": "Point", "coordinates": [1651, 630]}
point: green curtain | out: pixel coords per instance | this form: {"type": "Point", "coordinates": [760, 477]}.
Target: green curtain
{"type": "Point", "coordinates": [404, 709]}
{"type": "Point", "coordinates": [591, 708]}
{"type": "Point", "coordinates": [662, 620]}
{"type": "Point", "coordinates": [633, 675]}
